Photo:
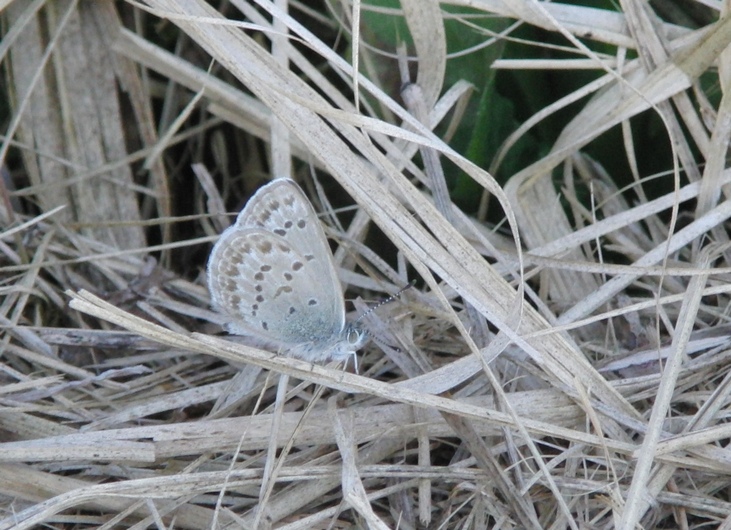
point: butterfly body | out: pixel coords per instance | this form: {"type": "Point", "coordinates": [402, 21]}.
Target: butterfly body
{"type": "Point", "coordinates": [273, 274]}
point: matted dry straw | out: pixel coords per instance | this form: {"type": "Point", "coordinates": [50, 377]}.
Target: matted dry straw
{"type": "Point", "coordinates": [569, 369]}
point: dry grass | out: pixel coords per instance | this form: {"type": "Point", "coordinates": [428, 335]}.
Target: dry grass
{"type": "Point", "coordinates": [595, 398]}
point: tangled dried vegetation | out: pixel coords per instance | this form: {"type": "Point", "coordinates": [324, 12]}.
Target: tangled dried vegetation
{"type": "Point", "coordinates": [582, 382]}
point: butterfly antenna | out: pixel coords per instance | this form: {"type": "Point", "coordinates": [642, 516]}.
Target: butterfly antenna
{"type": "Point", "coordinates": [387, 300]}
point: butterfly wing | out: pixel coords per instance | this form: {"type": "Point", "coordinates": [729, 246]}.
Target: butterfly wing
{"type": "Point", "coordinates": [282, 207]}
{"type": "Point", "coordinates": [273, 274]}
{"type": "Point", "coordinates": [270, 290]}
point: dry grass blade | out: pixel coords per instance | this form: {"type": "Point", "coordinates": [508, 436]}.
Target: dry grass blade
{"type": "Point", "coordinates": [353, 491]}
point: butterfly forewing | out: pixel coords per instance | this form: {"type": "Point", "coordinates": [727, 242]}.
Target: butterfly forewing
{"type": "Point", "coordinates": [281, 207]}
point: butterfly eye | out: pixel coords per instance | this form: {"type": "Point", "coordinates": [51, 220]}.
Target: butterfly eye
{"type": "Point", "coordinates": [354, 336]}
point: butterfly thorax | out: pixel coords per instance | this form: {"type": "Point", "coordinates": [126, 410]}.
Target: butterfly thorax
{"type": "Point", "coordinates": [335, 348]}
